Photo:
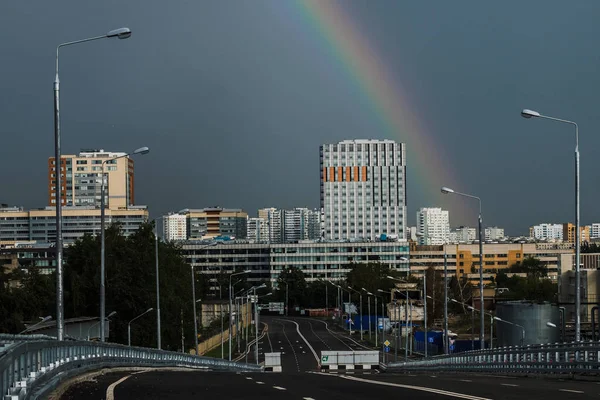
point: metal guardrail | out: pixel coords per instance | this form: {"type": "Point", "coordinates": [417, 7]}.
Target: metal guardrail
{"type": "Point", "coordinates": [29, 369]}
{"type": "Point", "coordinates": [561, 358]}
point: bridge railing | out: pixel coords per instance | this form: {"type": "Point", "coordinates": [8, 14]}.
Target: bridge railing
{"type": "Point", "coordinates": [29, 369]}
{"type": "Point", "coordinates": [575, 357]}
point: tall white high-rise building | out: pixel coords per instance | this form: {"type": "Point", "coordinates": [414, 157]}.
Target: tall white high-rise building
{"type": "Point", "coordinates": [363, 189]}
{"type": "Point", "coordinates": [175, 227]}
{"type": "Point", "coordinates": [433, 226]}
{"type": "Point", "coordinates": [547, 231]}
{"type": "Point", "coordinates": [258, 230]}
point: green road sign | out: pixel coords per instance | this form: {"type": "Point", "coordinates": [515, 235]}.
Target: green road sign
{"type": "Point", "coordinates": [324, 358]}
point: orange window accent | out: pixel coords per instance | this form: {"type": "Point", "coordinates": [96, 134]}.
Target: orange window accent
{"type": "Point", "coordinates": [331, 174]}
{"type": "Point", "coordinates": [355, 174]}
{"type": "Point", "coordinates": [364, 174]}
{"type": "Point", "coordinates": [348, 174]}
{"type": "Point", "coordinates": [324, 174]}
{"type": "Point", "coordinates": [340, 174]}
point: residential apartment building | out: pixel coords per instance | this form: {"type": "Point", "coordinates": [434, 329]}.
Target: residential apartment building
{"type": "Point", "coordinates": [318, 260]}
{"type": "Point", "coordinates": [595, 231]}
{"type": "Point", "coordinates": [363, 189]}
{"type": "Point", "coordinates": [589, 284]}
{"type": "Point", "coordinates": [211, 222]}
{"type": "Point", "coordinates": [433, 226]}
{"type": "Point", "coordinates": [494, 233]}
{"type": "Point", "coordinates": [462, 234]}
{"type": "Point", "coordinates": [257, 230]}
{"type": "Point", "coordinates": [546, 232]}
{"type": "Point", "coordinates": [286, 226]}
{"type": "Point", "coordinates": [82, 179]}
{"type": "Point", "coordinates": [28, 254]}
{"type": "Point", "coordinates": [17, 224]}
{"type": "Point", "coordinates": [463, 259]}
{"type": "Point", "coordinates": [569, 233]}
{"type": "Point", "coordinates": [175, 227]}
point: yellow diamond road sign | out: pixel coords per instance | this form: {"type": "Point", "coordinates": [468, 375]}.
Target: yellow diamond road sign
{"type": "Point", "coordinates": [387, 343]}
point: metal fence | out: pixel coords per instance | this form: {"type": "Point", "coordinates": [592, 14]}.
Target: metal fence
{"type": "Point", "coordinates": [582, 357]}
{"type": "Point", "coordinates": [29, 369]}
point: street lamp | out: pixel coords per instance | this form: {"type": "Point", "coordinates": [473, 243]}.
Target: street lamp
{"type": "Point", "coordinates": [512, 323]}
{"type": "Point", "coordinates": [534, 114]}
{"type": "Point", "coordinates": [446, 190]}
{"type": "Point", "coordinates": [129, 325]}
{"type": "Point", "coordinates": [360, 310]}
{"type": "Point", "coordinates": [194, 297]}
{"type": "Point", "coordinates": [404, 259]}
{"type": "Point", "coordinates": [96, 323]}
{"type": "Point", "coordinates": [369, 294]}
{"type": "Point", "coordinates": [43, 319]}
{"type": "Point", "coordinates": [121, 33]}
{"type": "Point", "coordinates": [142, 151]}
{"type": "Point", "coordinates": [231, 306]}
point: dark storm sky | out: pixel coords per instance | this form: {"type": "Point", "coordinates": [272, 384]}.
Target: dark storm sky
{"type": "Point", "coordinates": [234, 100]}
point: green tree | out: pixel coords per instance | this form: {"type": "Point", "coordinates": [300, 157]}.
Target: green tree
{"type": "Point", "coordinates": [293, 279]}
{"type": "Point", "coordinates": [532, 266]}
{"type": "Point", "coordinates": [131, 286]}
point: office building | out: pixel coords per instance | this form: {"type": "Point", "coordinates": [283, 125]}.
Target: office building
{"type": "Point", "coordinates": [285, 226]}
{"type": "Point", "coordinates": [257, 230]}
{"type": "Point", "coordinates": [17, 224]}
{"type": "Point", "coordinates": [433, 226]}
{"type": "Point", "coordinates": [462, 234]}
{"type": "Point", "coordinates": [317, 260]}
{"type": "Point", "coordinates": [463, 259]}
{"type": "Point", "coordinates": [595, 231]}
{"type": "Point", "coordinates": [175, 227]}
{"type": "Point", "coordinates": [82, 178]}
{"type": "Point", "coordinates": [363, 189]}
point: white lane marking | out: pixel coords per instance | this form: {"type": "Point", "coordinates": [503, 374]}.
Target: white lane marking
{"type": "Point", "coordinates": [303, 338]}
{"type": "Point", "coordinates": [279, 388]}
{"type": "Point", "coordinates": [307, 398]}
{"type": "Point", "coordinates": [110, 391]}
{"type": "Point", "coordinates": [509, 384]}
{"type": "Point", "coordinates": [433, 376]}
{"type": "Point", "coordinates": [248, 378]}
{"type": "Point", "coordinates": [419, 388]}
{"type": "Point", "coordinates": [570, 391]}
{"type": "Point", "coordinates": [296, 341]}
{"type": "Point", "coordinates": [466, 380]}
{"type": "Point", "coordinates": [260, 383]}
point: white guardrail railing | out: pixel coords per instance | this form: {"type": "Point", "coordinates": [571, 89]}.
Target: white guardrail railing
{"type": "Point", "coordinates": [30, 368]}
{"type": "Point", "coordinates": [581, 357]}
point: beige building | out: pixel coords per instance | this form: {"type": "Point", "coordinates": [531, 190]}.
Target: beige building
{"type": "Point", "coordinates": [207, 223]}
{"type": "Point", "coordinates": [81, 179]}
{"type": "Point", "coordinates": [463, 259]}
{"type": "Point", "coordinates": [17, 224]}
{"type": "Point", "coordinates": [590, 284]}
{"type": "Point", "coordinates": [569, 233]}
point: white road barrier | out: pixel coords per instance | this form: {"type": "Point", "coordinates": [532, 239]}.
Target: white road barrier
{"type": "Point", "coordinates": [348, 360]}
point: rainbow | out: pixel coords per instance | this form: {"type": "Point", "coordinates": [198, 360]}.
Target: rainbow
{"type": "Point", "coordinates": [427, 168]}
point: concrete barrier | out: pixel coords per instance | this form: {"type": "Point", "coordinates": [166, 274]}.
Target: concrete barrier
{"type": "Point", "coordinates": [349, 360]}
{"type": "Point", "coordinates": [273, 362]}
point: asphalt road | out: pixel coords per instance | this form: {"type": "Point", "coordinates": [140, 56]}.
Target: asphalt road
{"type": "Point", "coordinates": [317, 386]}
{"type": "Point", "coordinates": [300, 340]}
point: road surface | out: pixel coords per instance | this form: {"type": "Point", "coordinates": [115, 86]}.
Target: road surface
{"type": "Point", "coordinates": [300, 340]}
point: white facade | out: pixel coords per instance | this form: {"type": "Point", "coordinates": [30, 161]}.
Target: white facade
{"type": "Point", "coordinates": [175, 227]}
{"type": "Point", "coordinates": [462, 234]}
{"type": "Point", "coordinates": [595, 231]}
{"type": "Point", "coordinates": [363, 189]}
{"type": "Point", "coordinates": [547, 232]}
{"type": "Point", "coordinates": [433, 226]}
{"type": "Point", "coordinates": [494, 233]}
{"type": "Point", "coordinates": [285, 226]}
{"type": "Point", "coordinates": [258, 230]}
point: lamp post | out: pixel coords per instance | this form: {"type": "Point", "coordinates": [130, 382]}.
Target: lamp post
{"type": "Point", "coordinates": [472, 309]}
{"type": "Point", "coordinates": [287, 287]}
{"type": "Point", "coordinates": [369, 294]}
{"type": "Point", "coordinates": [158, 336]}
{"type": "Point", "coordinates": [230, 305]}
{"type": "Point", "coordinates": [129, 325]}
{"type": "Point", "coordinates": [534, 114]}
{"type": "Point", "coordinates": [349, 305]}
{"type": "Point", "coordinates": [121, 33]}
{"type": "Point", "coordinates": [424, 301]}
{"type": "Point", "coordinates": [141, 150]}
{"type": "Point", "coordinates": [512, 323]}
{"type": "Point", "coordinates": [96, 323]}
{"type": "Point", "coordinates": [360, 310]}
{"type": "Point", "coordinates": [446, 190]}
{"type": "Point", "coordinates": [43, 319]}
